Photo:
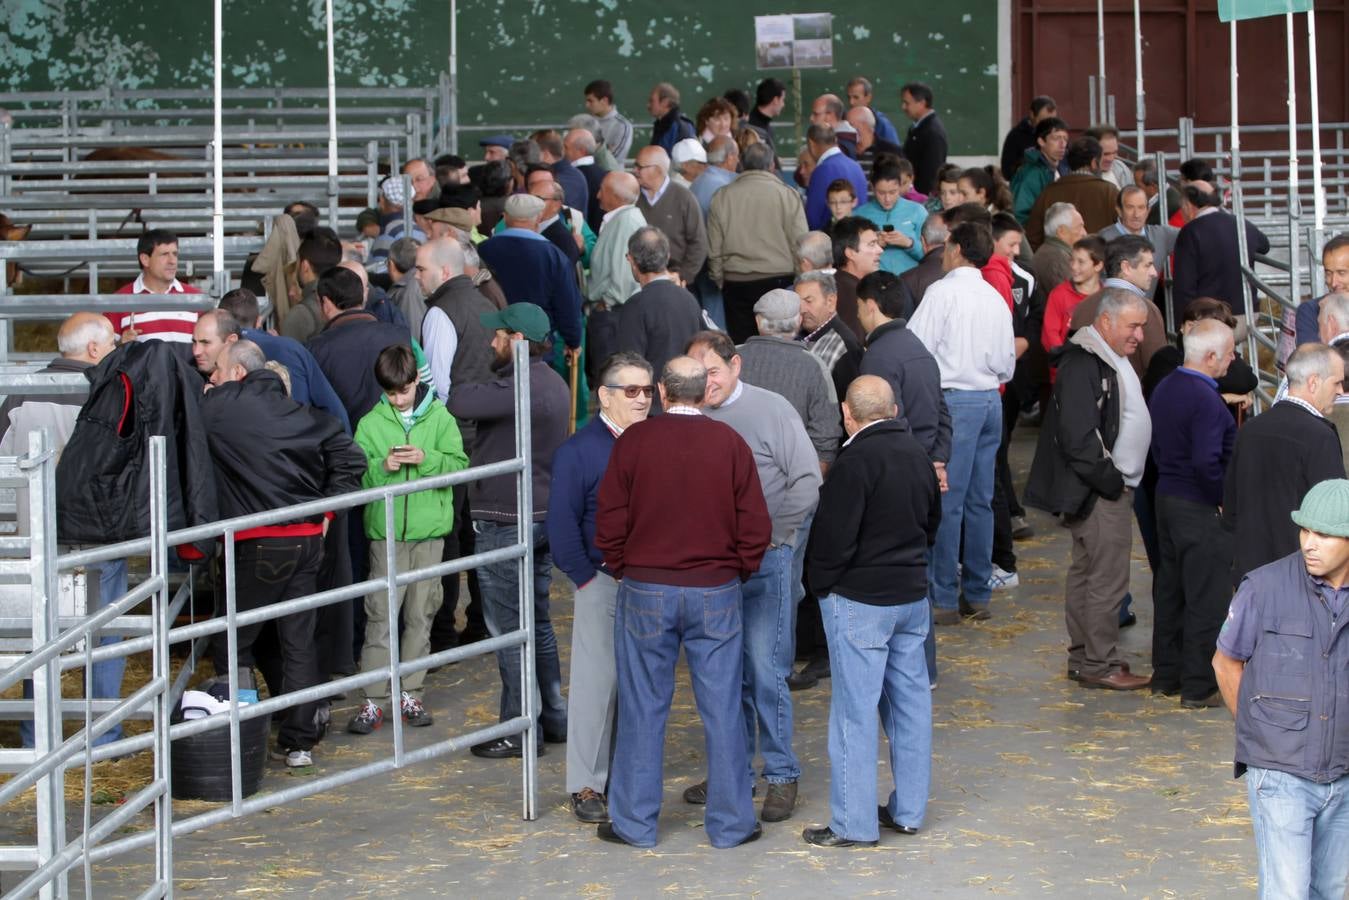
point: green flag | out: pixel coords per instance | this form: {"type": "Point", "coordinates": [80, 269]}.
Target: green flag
{"type": "Point", "coordinates": [1229, 10]}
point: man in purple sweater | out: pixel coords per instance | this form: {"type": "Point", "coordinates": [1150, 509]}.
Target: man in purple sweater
{"type": "Point", "coordinates": [831, 165]}
{"type": "Point", "coordinates": [1192, 437]}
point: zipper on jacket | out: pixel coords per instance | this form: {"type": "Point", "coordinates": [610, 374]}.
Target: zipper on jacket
{"type": "Point", "coordinates": [1281, 697]}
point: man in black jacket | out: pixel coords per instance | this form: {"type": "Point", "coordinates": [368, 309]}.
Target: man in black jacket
{"type": "Point", "coordinates": [1022, 136]}
{"type": "Point", "coordinates": [1206, 253]}
{"type": "Point", "coordinates": [925, 145]}
{"type": "Point", "coordinates": [1277, 458]}
{"type": "Point", "coordinates": [1092, 449]}
{"type": "Point", "coordinates": [878, 515]}
{"type": "Point", "coordinates": [307, 455]}
{"type": "Point", "coordinates": [657, 321]}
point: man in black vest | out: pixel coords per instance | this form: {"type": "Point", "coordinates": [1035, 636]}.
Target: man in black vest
{"type": "Point", "coordinates": [1281, 659]}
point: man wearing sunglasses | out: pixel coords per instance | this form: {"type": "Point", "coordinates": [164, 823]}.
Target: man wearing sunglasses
{"type": "Point", "coordinates": [625, 398]}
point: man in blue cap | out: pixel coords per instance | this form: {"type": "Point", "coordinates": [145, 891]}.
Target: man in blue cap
{"type": "Point", "coordinates": [495, 147]}
{"type": "Point", "coordinates": [1281, 663]}
{"type": "Point", "coordinates": [492, 506]}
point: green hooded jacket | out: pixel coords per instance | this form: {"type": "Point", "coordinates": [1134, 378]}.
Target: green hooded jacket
{"type": "Point", "coordinates": [1030, 179]}
{"type": "Point", "coordinates": [429, 427]}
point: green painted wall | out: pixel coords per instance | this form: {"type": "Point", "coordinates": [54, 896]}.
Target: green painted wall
{"type": "Point", "coordinates": [521, 61]}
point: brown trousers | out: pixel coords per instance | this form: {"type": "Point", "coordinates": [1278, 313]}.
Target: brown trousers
{"type": "Point", "coordinates": [1098, 579]}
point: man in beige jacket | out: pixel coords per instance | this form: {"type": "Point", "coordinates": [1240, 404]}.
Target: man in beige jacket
{"type": "Point", "coordinates": [752, 228]}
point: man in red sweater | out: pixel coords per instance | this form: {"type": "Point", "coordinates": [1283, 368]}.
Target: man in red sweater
{"type": "Point", "coordinates": [681, 521]}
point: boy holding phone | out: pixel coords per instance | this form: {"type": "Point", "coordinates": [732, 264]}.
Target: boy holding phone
{"type": "Point", "coordinates": [408, 435]}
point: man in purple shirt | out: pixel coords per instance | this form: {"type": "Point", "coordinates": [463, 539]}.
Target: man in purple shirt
{"type": "Point", "coordinates": [1192, 437]}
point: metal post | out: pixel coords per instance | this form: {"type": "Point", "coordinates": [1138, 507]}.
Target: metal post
{"type": "Point", "coordinates": [371, 174]}
{"type": "Point", "coordinates": [1140, 116]}
{"type": "Point", "coordinates": [408, 224]}
{"type": "Point", "coordinates": [1318, 195]}
{"type": "Point", "coordinates": [232, 661]}
{"type": "Point", "coordinates": [1164, 216]}
{"type": "Point", "coordinates": [1100, 57]}
{"type": "Point", "coordinates": [51, 796]}
{"type": "Point", "coordinates": [1243, 256]}
{"type": "Point", "coordinates": [218, 154]}
{"type": "Point", "coordinates": [395, 653]}
{"type": "Point", "coordinates": [524, 516]}
{"type": "Point", "coordinates": [332, 126]}
{"type": "Point", "coordinates": [1110, 109]}
{"type": "Point", "coordinates": [160, 625]}
{"type": "Point", "coordinates": [453, 94]}
{"type": "Point", "coordinates": [1092, 99]}
{"type": "Point", "coordinates": [1294, 200]}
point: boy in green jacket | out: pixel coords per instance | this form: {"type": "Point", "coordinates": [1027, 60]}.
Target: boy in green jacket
{"type": "Point", "coordinates": [408, 435]}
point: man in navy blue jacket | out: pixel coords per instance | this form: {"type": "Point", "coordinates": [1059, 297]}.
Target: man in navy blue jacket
{"type": "Point", "coordinates": [1192, 438]}
{"type": "Point", "coordinates": [625, 394]}
{"type": "Point", "coordinates": [1206, 252]}
{"type": "Point", "coordinates": [531, 269]}
{"type": "Point", "coordinates": [831, 165]}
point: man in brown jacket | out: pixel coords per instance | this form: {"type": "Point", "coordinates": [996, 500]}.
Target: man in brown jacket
{"type": "Point", "coordinates": [1084, 188]}
{"type": "Point", "coordinates": [752, 228]}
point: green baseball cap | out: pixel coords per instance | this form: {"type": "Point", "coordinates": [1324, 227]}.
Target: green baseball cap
{"type": "Point", "coordinates": [526, 318]}
{"type": "Point", "coordinates": [1325, 508]}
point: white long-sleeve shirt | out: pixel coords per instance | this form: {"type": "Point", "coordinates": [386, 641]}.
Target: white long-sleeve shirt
{"type": "Point", "coordinates": [966, 325]}
{"type": "Point", "coordinates": [440, 341]}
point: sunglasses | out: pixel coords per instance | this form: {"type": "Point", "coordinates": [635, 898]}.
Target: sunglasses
{"type": "Point", "coordinates": [632, 390]}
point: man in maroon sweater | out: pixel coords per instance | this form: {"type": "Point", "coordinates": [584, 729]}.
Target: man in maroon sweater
{"type": "Point", "coordinates": [681, 522]}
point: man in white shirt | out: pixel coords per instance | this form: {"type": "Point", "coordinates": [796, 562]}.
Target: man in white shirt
{"type": "Point", "coordinates": [966, 325]}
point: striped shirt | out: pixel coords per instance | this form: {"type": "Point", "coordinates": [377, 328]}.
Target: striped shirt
{"type": "Point", "coordinates": [166, 325]}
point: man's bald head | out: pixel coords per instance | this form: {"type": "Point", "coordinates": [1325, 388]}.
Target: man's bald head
{"type": "Point", "coordinates": [86, 337]}
{"type": "Point", "coordinates": [869, 399]}
{"type": "Point", "coordinates": [683, 381]}
{"type": "Point", "coordinates": [360, 273]}
{"type": "Point", "coordinates": [653, 167]}
{"type": "Point", "coordinates": [618, 189]}
{"type": "Point", "coordinates": [579, 143]}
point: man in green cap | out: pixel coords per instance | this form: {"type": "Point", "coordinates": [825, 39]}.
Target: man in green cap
{"type": "Point", "coordinates": [492, 506]}
{"type": "Point", "coordinates": [1282, 665]}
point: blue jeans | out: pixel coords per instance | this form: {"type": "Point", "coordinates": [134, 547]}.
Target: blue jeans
{"type": "Point", "coordinates": [876, 659]}
{"type": "Point", "coordinates": [107, 675]}
{"type": "Point", "coordinates": [930, 642]}
{"type": "Point", "coordinates": [976, 430]}
{"type": "Point", "coordinates": [769, 617]}
{"type": "Point", "coordinates": [650, 623]}
{"type": "Point", "coordinates": [1301, 834]}
{"type": "Point", "coordinates": [500, 585]}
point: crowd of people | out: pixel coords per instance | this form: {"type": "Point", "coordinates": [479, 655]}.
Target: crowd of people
{"type": "Point", "coordinates": [812, 377]}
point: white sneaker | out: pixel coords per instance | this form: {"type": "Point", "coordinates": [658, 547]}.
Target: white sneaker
{"type": "Point", "coordinates": [1002, 580]}
{"type": "Point", "coordinates": [294, 759]}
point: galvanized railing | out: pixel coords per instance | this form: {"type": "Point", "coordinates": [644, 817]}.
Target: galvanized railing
{"type": "Point", "coordinates": [53, 856]}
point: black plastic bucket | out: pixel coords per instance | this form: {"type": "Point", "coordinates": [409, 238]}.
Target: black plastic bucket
{"type": "Point", "coordinates": [201, 763]}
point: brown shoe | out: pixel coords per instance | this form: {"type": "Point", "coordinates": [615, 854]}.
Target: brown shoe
{"type": "Point", "coordinates": [1212, 701]}
{"type": "Point", "coordinates": [779, 802]}
{"type": "Point", "coordinates": [1118, 680]}
{"type": "Point", "coordinates": [946, 617]}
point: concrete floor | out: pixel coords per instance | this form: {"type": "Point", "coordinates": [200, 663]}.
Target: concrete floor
{"type": "Point", "coordinates": [1040, 788]}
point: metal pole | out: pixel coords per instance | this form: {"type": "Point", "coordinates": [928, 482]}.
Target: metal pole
{"type": "Point", "coordinates": [408, 223]}
{"type": "Point", "coordinates": [1100, 55]}
{"type": "Point", "coordinates": [1093, 98]}
{"type": "Point", "coordinates": [1164, 216]}
{"type": "Point", "coordinates": [395, 646]}
{"type": "Point", "coordinates": [1243, 256]}
{"type": "Point", "coordinates": [332, 126]}
{"type": "Point", "coordinates": [454, 77]}
{"type": "Point", "coordinates": [1318, 195]}
{"type": "Point", "coordinates": [218, 152]}
{"type": "Point", "coordinates": [160, 625]}
{"type": "Point", "coordinates": [525, 520]}
{"type": "Point", "coordinates": [1294, 201]}
{"type": "Point", "coordinates": [1140, 116]}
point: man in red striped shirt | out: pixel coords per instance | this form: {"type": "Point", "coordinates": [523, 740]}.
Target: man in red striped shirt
{"type": "Point", "coordinates": [157, 253]}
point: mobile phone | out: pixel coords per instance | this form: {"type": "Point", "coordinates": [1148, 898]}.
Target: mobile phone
{"type": "Point", "coordinates": [402, 448]}
{"type": "Point", "coordinates": [888, 228]}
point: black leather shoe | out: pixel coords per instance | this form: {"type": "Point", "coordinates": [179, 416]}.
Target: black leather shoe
{"type": "Point", "coordinates": [752, 836]}
{"type": "Point", "coordinates": [605, 832]}
{"type": "Point", "coordinates": [554, 737]}
{"type": "Point", "coordinates": [590, 807]}
{"type": "Point", "coordinates": [1128, 621]}
{"type": "Point", "coordinates": [801, 681]}
{"type": "Point", "coordinates": [888, 821]}
{"type": "Point", "coordinates": [825, 837]}
{"type": "Point", "coordinates": [502, 748]}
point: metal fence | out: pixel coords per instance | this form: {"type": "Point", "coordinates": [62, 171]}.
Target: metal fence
{"type": "Point", "coordinates": [53, 857]}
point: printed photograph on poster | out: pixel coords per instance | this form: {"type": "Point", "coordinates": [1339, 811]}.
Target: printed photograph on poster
{"type": "Point", "coordinates": [803, 41]}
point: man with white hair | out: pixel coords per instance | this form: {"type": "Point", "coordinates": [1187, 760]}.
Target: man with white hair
{"type": "Point", "coordinates": [1093, 446]}
{"type": "Point", "coordinates": [774, 360]}
{"type": "Point", "coordinates": [723, 160]}
{"type": "Point", "coordinates": [1053, 260]}
{"type": "Point", "coordinates": [1279, 455]}
{"type": "Point", "coordinates": [531, 269]}
{"type": "Point", "coordinates": [929, 269]}
{"type": "Point", "coordinates": [1192, 437]}
{"type": "Point", "coordinates": [814, 252]}
{"type": "Point", "coordinates": [674, 210]}
{"type": "Point", "coordinates": [869, 144]}
{"type": "Point", "coordinates": [84, 340]}
{"type": "Point", "coordinates": [579, 147]}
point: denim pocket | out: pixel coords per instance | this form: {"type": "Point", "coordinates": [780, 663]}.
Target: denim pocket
{"type": "Point", "coordinates": [870, 627]}
{"type": "Point", "coordinates": [721, 612]}
{"type": "Point", "coordinates": [643, 612]}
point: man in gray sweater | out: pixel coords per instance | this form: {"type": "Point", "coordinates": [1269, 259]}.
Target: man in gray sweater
{"type": "Point", "coordinates": [674, 210]}
{"type": "Point", "coordinates": [658, 320]}
{"type": "Point", "coordinates": [773, 360]}
{"type": "Point", "coordinates": [789, 473]}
